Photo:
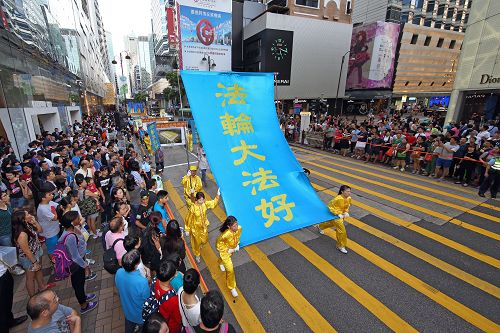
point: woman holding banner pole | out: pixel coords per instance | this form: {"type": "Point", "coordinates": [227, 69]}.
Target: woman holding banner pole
{"type": "Point", "coordinates": [199, 222]}
{"type": "Point", "coordinates": [228, 243]}
{"type": "Point", "coordinates": [339, 206]}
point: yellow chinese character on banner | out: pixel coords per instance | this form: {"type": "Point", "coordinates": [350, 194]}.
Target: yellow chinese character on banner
{"type": "Point", "coordinates": [245, 151]}
{"type": "Point", "coordinates": [234, 93]}
{"type": "Point", "coordinates": [264, 178]}
{"type": "Point", "coordinates": [235, 125]}
{"type": "Point", "coordinates": [269, 210]}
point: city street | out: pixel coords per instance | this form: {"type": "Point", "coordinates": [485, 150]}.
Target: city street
{"type": "Point", "coordinates": [422, 256]}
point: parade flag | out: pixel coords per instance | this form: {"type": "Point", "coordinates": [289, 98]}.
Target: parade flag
{"type": "Point", "coordinates": [261, 182]}
{"type": "Point", "coordinates": [154, 136]}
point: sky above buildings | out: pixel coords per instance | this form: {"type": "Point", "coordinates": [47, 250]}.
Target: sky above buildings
{"type": "Point", "coordinates": [125, 17]}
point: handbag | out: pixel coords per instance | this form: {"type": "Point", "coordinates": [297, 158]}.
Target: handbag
{"type": "Point", "coordinates": [88, 206]}
{"type": "Point", "coordinates": [390, 152]}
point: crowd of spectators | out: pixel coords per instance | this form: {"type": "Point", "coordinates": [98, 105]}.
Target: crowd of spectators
{"type": "Point", "coordinates": [87, 184]}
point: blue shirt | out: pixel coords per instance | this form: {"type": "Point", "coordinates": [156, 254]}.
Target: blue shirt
{"type": "Point", "coordinates": [76, 160]}
{"type": "Point", "coordinates": [164, 215]}
{"type": "Point", "coordinates": [177, 281]}
{"type": "Point", "coordinates": [133, 289]}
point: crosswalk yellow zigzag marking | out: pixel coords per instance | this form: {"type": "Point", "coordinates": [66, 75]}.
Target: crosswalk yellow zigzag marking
{"type": "Point", "coordinates": [242, 311]}
{"type": "Point", "coordinates": [382, 312]}
{"type": "Point", "coordinates": [411, 193]}
{"type": "Point", "coordinates": [442, 299]}
{"type": "Point", "coordinates": [438, 263]}
{"type": "Point", "coordinates": [457, 246]}
{"type": "Point", "coordinates": [399, 174]}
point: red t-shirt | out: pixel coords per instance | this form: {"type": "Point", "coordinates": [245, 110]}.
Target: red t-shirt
{"type": "Point", "coordinates": [169, 309]}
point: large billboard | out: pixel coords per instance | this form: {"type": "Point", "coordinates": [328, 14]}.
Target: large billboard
{"type": "Point", "coordinates": [205, 32]}
{"type": "Point", "coordinates": [373, 51]}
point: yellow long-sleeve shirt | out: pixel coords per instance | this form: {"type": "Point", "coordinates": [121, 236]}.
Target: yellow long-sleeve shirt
{"type": "Point", "coordinates": [228, 240]}
{"type": "Point", "coordinates": [339, 205]}
{"type": "Point", "coordinates": [199, 221]}
{"type": "Point", "coordinates": [191, 182]}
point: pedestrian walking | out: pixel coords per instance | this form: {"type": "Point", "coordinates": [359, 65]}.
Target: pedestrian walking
{"type": "Point", "coordinates": [227, 244]}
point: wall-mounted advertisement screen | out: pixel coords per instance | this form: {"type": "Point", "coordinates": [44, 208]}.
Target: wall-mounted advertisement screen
{"type": "Point", "coordinates": [372, 56]}
{"type": "Point", "coordinates": [439, 101]}
{"type": "Point", "coordinates": [205, 34]}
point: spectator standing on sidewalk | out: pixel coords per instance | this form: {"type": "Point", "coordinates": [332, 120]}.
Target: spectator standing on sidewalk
{"type": "Point", "coordinates": [443, 162]}
{"type": "Point", "coordinates": [467, 166]}
{"type": "Point", "coordinates": [6, 300]}
{"type": "Point", "coordinates": [169, 309]}
{"type": "Point", "coordinates": [189, 303]}
{"type": "Point", "coordinates": [133, 289]}
{"type": "Point", "coordinates": [211, 311]}
{"type": "Point", "coordinates": [159, 160]}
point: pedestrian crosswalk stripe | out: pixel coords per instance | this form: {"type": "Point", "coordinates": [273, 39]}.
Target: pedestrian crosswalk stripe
{"type": "Point", "coordinates": [411, 193]}
{"type": "Point", "coordinates": [242, 311]}
{"type": "Point", "coordinates": [457, 222]}
{"type": "Point", "coordinates": [437, 296]}
{"type": "Point", "coordinates": [429, 234]}
{"type": "Point", "coordinates": [442, 265]}
{"type": "Point", "coordinates": [377, 308]}
{"type": "Point", "coordinates": [453, 187]}
{"type": "Point", "coordinates": [311, 316]}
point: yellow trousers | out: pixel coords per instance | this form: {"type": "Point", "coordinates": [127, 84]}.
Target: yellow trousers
{"type": "Point", "coordinates": [225, 259]}
{"type": "Point", "coordinates": [340, 230]}
{"type": "Point", "coordinates": [197, 241]}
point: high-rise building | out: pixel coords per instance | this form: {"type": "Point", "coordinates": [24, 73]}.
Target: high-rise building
{"type": "Point", "coordinates": [57, 69]}
{"type": "Point", "coordinates": [163, 48]}
{"type": "Point", "coordinates": [441, 14]}
{"type": "Point", "coordinates": [138, 49]}
{"type": "Point", "coordinates": [330, 10]}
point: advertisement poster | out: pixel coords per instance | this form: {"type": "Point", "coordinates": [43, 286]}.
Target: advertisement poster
{"type": "Point", "coordinates": [373, 51]}
{"type": "Point", "coordinates": [205, 32]}
{"type": "Point", "coordinates": [171, 136]}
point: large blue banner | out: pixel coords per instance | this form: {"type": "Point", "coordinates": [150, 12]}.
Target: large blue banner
{"type": "Point", "coordinates": [154, 136]}
{"type": "Point", "coordinates": [262, 183]}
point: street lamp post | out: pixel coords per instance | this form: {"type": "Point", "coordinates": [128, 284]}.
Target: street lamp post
{"type": "Point", "coordinates": [338, 86]}
{"type": "Point", "coordinates": [114, 62]}
{"type": "Point", "coordinates": [211, 62]}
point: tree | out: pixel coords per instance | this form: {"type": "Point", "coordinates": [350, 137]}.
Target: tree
{"type": "Point", "coordinates": [172, 81]}
{"type": "Point", "coordinates": [169, 94]}
{"type": "Point", "coordinates": [140, 97]}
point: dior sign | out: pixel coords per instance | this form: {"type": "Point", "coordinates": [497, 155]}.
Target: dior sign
{"type": "Point", "coordinates": [486, 79]}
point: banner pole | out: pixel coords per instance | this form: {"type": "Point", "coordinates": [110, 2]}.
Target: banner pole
{"type": "Point", "coordinates": [186, 128]}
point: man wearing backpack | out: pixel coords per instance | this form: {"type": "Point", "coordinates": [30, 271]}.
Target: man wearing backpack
{"type": "Point", "coordinates": [169, 309]}
{"type": "Point", "coordinates": [212, 309]}
{"type": "Point", "coordinates": [133, 289]}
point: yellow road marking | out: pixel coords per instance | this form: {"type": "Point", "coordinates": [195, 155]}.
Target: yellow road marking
{"type": "Point", "coordinates": [442, 265]}
{"type": "Point", "coordinates": [403, 175]}
{"type": "Point", "coordinates": [383, 313]}
{"type": "Point", "coordinates": [460, 223]}
{"type": "Point", "coordinates": [304, 309]}
{"type": "Point", "coordinates": [437, 296]}
{"type": "Point", "coordinates": [411, 193]}
{"type": "Point", "coordinates": [429, 234]}
{"type": "Point", "coordinates": [242, 311]}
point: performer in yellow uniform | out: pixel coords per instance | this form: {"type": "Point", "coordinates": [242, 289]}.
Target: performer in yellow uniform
{"type": "Point", "coordinates": [339, 206]}
{"type": "Point", "coordinates": [147, 142]}
{"type": "Point", "coordinates": [199, 222]}
{"type": "Point", "coordinates": [192, 184]}
{"type": "Point", "coordinates": [190, 141]}
{"type": "Point", "coordinates": [228, 243]}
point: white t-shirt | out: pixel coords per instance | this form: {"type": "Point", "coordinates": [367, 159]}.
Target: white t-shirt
{"type": "Point", "coordinates": [484, 135]}
{"type": "Point", "coordinates": [45, 215]}
{"type": "Point", "coordinates": [190, 314]}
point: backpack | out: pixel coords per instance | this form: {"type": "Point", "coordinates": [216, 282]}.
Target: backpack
{"type": "Point", "coordinates": [223, 328]}
{"type": "Point", "coordinates": [152, 305]}
{"type": "Point", "coordinates": [110, 262]}
{"type": "Point", "coordinates": [62, 261]}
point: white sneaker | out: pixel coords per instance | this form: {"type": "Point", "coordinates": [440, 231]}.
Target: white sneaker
{"type": "Point", "coordinates": [321, 231]}
{"type": "Point", "coordinates": [234, 293]}
{"type": "Point", "coordinates": [402, 169]}
{"type": "Point", "coordinates": [198, 259]}
{"type": "Point", "coordinates": [342, 249]}
{"type": "Point", "coordinates": [17, 270]}
{"type": "Point", "coordinates": [222, 268]}
{"type": "Point", "coordinates": [90, 261]}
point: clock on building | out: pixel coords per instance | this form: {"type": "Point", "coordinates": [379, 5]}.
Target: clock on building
{"type": "Point", "coordinates": [279, 49]}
